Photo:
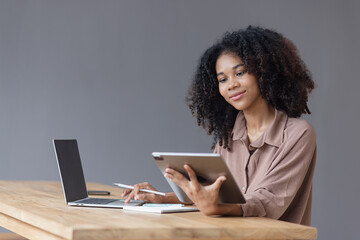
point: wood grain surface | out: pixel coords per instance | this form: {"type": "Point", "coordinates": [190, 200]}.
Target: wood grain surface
{"type": "Point", "coordinates": [11, 236]}
{"type": "Point", "coordinates": [37, 210]}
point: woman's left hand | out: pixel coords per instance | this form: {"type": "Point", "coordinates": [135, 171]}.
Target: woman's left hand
{"type": "Point", "coordinates": [204, 197]}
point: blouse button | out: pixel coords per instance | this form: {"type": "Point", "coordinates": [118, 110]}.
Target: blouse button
{"type": "Point", "coordinates": [243, 188]}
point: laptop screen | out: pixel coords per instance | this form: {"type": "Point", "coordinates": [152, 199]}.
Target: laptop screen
{"type": "Point", "coordinates": [71, 172]}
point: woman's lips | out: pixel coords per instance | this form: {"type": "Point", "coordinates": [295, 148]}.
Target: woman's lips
{"type": "Point", "coordinates": [237, 96]}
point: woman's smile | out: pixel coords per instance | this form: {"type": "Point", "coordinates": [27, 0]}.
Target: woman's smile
{"type": "Point", "coordinates": [237, 96]}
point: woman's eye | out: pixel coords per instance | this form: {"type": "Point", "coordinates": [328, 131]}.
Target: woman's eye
{"type": "Point", "coordinates": [239, 74]}
{"type": "Point", "coordinates": [222, 80]}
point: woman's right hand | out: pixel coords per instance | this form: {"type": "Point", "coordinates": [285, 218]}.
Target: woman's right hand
{"type": "Point", "coordinates": [148, 197]}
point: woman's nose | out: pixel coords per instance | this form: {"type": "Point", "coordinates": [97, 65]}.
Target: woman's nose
{"type": "Point", "coordinates": [233, 83]}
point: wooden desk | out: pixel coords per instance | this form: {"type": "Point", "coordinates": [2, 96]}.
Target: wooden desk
{"type": "Point", "coordinates": [37, 210]}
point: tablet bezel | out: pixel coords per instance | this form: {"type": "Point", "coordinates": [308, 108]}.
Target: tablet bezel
{"type": "Point", "coordinates": [207, 166]}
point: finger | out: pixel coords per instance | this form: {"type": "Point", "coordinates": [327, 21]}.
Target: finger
{"type": "Point", "coordinates": [170, 170]}
{"type": "Point", "coordinates": [131, 196]}
{"type": "Point", "coordinates": [144, 185]}
{"type": "Point", "coordinates": [133, 193]}
{"type": "Point", "coordinates": [191, 173]}
{"type": "Point", "coordinates": [147, 185]}
{"type": "Point", "coordinates": [177, 178]}
{"type": "Point", "coordinates": [176, 175]}
{"type": "Point", "coordinates": [217, 184]}
{"type": "Point", "coordinates": [193, 178]}
{"type": "Point", "coordinates": [136, 191]}
{"type": "Point", "coordinates": [125, 192]}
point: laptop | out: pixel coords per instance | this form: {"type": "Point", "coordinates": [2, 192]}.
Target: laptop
{"type": "Point", "coordinates": [73, 180]}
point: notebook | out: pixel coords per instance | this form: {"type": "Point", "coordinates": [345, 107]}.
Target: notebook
{"type": "Point", "coordinates": [73, 180]}
{"type": "Point", "coordinates": [161, 208]}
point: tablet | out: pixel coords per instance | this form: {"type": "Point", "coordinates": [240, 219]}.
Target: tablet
{"type": "Point", "coordinates": [207, 166]}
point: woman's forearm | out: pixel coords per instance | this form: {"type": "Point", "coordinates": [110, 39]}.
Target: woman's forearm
{"type": "Point", "coordinates": [223, 209]}
{"type": "Point", "coordinates": [171, 197]}
{"type": "Point", "coordinates": [230, 209]}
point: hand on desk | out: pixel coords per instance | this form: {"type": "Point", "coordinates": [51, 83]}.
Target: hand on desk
{"type": "Point", "coordinates": [148, 197]}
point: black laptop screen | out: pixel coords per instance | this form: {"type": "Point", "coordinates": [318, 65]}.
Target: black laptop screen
{"type": "Point", "coordinates": [72, 175]}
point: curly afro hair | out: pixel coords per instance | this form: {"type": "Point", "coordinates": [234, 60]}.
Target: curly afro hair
{"type": "Point", "coordinates": [283, 78]}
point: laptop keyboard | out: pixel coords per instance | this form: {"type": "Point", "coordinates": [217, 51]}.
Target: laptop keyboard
{"type": "Point", "coordinates": [97, 200]}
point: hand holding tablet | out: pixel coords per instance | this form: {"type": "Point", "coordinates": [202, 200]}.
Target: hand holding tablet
{"type": "Point", "coordinates": [208, 168]}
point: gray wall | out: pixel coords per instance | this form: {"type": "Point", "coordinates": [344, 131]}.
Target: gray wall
{"type": "Point", "coordinates": [114, 74]}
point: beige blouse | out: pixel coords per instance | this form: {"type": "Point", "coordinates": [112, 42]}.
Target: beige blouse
{"type": "Point", "coordinates": [275, 172]}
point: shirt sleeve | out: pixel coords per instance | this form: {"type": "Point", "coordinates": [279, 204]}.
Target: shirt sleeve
{"type": "Point", "coordinates": [286, 174]}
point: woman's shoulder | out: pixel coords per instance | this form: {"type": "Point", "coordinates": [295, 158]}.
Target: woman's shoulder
{"type": "Point", "coordinates": [299, 127]}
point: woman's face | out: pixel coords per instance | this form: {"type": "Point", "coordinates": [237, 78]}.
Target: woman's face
{"type": "Point", "coordinates": [238, 87]}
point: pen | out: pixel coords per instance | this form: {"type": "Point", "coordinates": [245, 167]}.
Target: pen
{"type": "Point", "coordinates": [142, 190]}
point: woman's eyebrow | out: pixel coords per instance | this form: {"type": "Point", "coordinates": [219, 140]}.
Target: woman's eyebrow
{"type": "Point", "coordinates": [239, 65]}
{"type": "Point", "coordinates": [234, 67]}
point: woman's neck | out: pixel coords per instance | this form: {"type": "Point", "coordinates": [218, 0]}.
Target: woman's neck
{"type": "Point", "coordinates": [258, 119]}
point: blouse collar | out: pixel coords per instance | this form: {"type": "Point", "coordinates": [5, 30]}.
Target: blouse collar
{"type": "Point", "coordinates": [273, 135]}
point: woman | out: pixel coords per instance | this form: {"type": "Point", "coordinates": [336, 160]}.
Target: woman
{"type": "Point", "coordinates": [249, 91]}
